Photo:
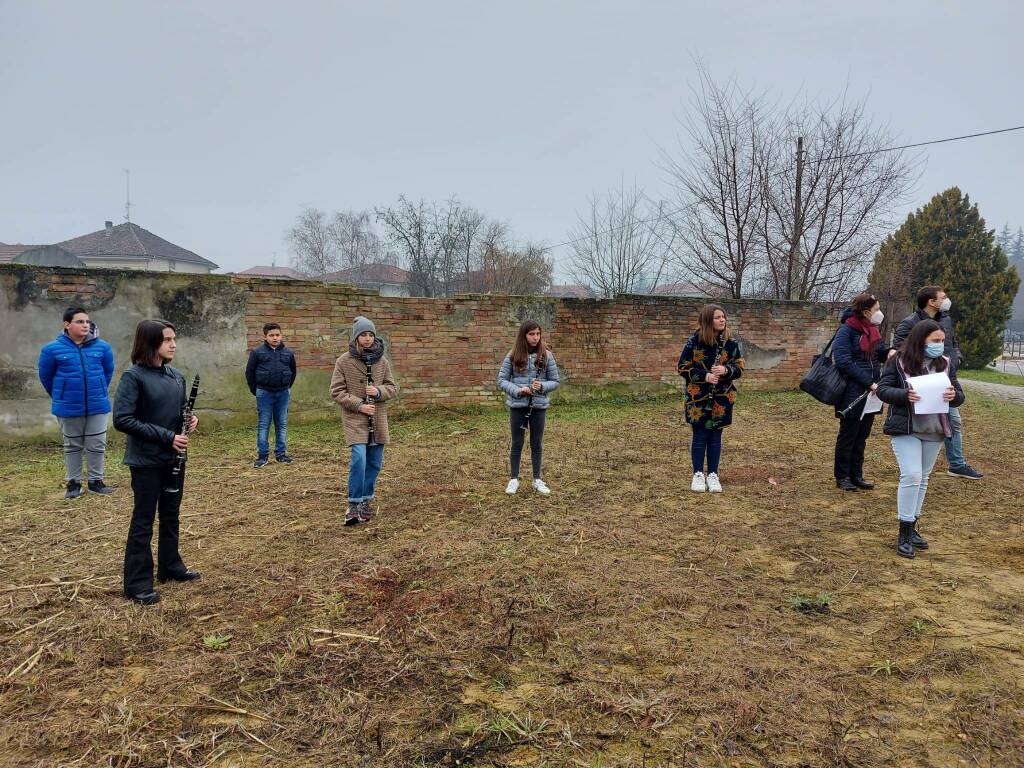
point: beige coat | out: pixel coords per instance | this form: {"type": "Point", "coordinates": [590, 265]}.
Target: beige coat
{"type": "Point", "coordinates": [348, 389]}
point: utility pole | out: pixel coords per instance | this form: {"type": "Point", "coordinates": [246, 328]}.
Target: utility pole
{"type": "Point", "coordinates": [794, 246]}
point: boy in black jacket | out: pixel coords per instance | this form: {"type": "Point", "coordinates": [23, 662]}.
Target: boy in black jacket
{"type": "Point", "coordinates": [270, 374]}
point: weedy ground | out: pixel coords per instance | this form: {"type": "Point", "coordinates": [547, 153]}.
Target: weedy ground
{"type": "Point", "coordinates": [623, 621]}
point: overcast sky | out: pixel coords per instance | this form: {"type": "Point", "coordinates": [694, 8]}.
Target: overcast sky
{"type": "Point", "coordinates": [232, 116]}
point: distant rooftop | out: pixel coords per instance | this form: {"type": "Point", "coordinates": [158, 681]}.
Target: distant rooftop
{"type": "Point", "coordinates": [131, 241]}
{"type": "Point", "coordinates": [9, 251]}
{"type": "Point", "coordinates": [279, 273]}
{"type": "Point", "coordinates": [369, 273]}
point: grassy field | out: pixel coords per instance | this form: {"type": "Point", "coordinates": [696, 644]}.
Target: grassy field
{"type": "Point", "coordinates": [991, 376]}
{"type": "Point", "coordinates": [624, 621]}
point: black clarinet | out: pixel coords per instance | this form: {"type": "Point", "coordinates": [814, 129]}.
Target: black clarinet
{"type": "Point", "coordinates": [174, 486]}
{"type": "Point", "coordinates": [529, 400]}
{"type": "Point", "coordinates": [371, 440]}
{"type": "Point", "coordinates": [529, 409]}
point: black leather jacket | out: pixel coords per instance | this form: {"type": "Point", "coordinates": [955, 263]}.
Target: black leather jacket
{"type": "Point", "coordinates": [147, 408]}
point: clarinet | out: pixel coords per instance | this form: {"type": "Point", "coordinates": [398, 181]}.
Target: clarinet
{"type": "Point", "coordinates": [174, 486]}
{"type": "Point", "coordinates": [529, 409]}
{"type": "Point", "coordinates": [529, 400]}
{"type": "Point", "coordinates": [371, 441]}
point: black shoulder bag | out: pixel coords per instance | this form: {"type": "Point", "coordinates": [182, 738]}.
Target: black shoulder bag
{"type": "Point", "coordinates": [823, 381]}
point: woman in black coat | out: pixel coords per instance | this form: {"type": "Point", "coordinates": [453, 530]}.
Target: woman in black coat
{"type": "Point", "coordinates": [858, 353]}
{"type": "Point", "coordinates": [916, 437]}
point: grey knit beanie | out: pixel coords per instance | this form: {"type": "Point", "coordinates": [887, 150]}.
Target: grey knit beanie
{"type": "Point", "coordinates": [361, 326]}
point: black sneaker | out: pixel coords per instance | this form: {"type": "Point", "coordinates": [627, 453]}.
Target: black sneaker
{"type": "Point", "coordinates": [74, 490]}
{"type": "Point", "coordinates": [260, 462]}
{"type": "Point", "coordinates": [284, 458]}
{"type": "Point", "coordinates": [145, 598]}
{"type": "Point", "coordinates": [967, 472]}
{"type": "Point", "coordinates": [98, 486]}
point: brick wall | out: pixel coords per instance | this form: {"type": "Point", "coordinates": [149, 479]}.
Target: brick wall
{"type": "Point", "coordinates": [448, 350]}
{"type": "Point", "coordinates": [444, 351]}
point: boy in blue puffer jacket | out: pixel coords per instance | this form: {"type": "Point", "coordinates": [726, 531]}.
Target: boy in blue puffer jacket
{"type": "Point", "coordinates": [76, 369]}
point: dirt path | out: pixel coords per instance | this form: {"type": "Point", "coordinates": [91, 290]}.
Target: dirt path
{"type": "Point", "coordinates": [1006, 392]}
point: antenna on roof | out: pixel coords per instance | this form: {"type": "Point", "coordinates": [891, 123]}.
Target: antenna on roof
{"type": "Point", "coordinates": [127, 195]}
{"type": "Point", "coordinates": [273, 259]}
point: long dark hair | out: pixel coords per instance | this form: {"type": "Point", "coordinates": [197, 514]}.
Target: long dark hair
{"type": "Point", "coordinates": [149, 335]}
{"type": "Point", "coordinates": [912, 351]}
{"type": "Point", "coordinates": [521, 350]}
{"type": "Point", "coordinates": [706, 332]}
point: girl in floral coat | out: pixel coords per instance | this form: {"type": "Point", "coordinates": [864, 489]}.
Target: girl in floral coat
{"type": "Point", "coordinates": [711, 361]}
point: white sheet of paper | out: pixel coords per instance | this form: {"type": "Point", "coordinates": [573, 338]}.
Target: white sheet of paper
{"type": "Point", "coordinates": [930, 388]}
{"type": "Point", "coordinates": [871, 404]}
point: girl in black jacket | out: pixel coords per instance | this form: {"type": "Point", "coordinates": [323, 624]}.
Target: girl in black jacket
{"type": "Point", "coordinates": [858, 353]}
{"type": "Point", "coordinates": [147, 407]}
{"type": "Point", "coordinates": [916, 438]}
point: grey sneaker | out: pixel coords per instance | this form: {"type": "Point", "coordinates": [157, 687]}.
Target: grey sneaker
{"type": "Point", "coordinates": [74, 490]}
{"type": "Point", "coordinates": [260, 462]}
{"type": "Point", "coordinates": [352, 513]}
{"type": "Point", "coordinates": [365, 512]}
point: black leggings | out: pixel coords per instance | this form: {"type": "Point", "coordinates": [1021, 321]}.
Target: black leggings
{"type": "Point", "coordinates": [517, 417]}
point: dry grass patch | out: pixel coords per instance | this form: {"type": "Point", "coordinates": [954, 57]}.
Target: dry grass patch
{"type": "Point", "coordinates": [623, 621]}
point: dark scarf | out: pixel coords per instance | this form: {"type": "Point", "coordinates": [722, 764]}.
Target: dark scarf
{"type": "Point", "coordinates": [369, 356]}
{"type": "Point", "coordinates": [869, 334]}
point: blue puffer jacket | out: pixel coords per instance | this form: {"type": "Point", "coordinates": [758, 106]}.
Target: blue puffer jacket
{"type": "Point", "coordinates": [77, 378]}
{"type": "Point", "coordinates": [511, 381]}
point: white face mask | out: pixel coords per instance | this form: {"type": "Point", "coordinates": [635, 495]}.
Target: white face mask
{"type": "Point", "coordinates": [945, 305]}
{"type": "Point", "coordinates": [877, 317]}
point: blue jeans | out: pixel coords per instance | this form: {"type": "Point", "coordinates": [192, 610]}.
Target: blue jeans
{"type": "Point", "coordinates": [363, 470]}
{"type": "Point", "coordinates": [705, 442]}
{"type": "Point", "coordinates": [955, 444]}
{"type": "Point", "coordinates": [271, 405]}
{"type": "Point", "coordinates": [916, 458]}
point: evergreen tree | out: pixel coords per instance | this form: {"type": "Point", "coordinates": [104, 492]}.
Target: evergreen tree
{"type": "Point", "coordinates": [1004, 238]}
{"type": "Point", "coordinates": [1016, 251]}
{"type": "Point", "coordinates": [946, 243]}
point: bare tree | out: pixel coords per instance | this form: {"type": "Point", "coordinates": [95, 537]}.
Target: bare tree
{"type": "Point", "coordinates": [520, 270]}
{"type": "Point", "coordinates": [786, 202]}
{"type": "Point", "coordinates": [619, 244]}
{"type": "Point", "coordinates": [826, 211]}
{"type": "Point", "coordinates": [718, 183]}
{"type": "Point", "coordinates": [356, 242]}
{"type": "Point", "coordinates": [314, 249]}
{"type": "Point", "coordinates": [448, 223]}
{"type": "Point", "coordinates": [409, 227]}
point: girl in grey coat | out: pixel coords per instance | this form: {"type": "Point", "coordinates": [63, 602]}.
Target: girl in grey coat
{"type": "Point", "coordinates": [528, 374]}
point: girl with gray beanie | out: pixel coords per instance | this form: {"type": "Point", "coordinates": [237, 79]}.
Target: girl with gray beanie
{"type": "Point", "coordinates": [528, 375]}
{"type": "Point", "coordinates": [362, 384]}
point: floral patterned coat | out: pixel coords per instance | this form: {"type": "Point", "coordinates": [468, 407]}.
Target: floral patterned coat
{"type": "Point", "coordinates": [710, 405]}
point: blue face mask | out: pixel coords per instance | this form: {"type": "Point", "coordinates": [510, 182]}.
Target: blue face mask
{"type": "Point", "coordinates": [934, 349]}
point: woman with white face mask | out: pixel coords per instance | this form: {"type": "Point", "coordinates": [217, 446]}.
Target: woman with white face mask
{"type": "Point", "coordinates": [858, 353]}
{"type": "Point", "coordinates": [916, 438]}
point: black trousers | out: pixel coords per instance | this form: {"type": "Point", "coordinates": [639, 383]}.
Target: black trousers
{"type": "Point", "coordinates": [517, 418]}
{"type": "Point", "coordinates": [148, 485]}
{"type": "Point", "coordinates": [853, 435]}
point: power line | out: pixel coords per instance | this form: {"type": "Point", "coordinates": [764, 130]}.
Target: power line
{"type": "Point", "coordinates": [820, 160]}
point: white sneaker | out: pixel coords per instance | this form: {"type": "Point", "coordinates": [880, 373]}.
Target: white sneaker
{"type": "Point", "coordinates": [698, 483]}
{"type": "Point", "coordinates": [512, 487]}
{"type": "Point", "coordinates": [713, 485]}
{"type": "Point", "coordinates": [541, 487]}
